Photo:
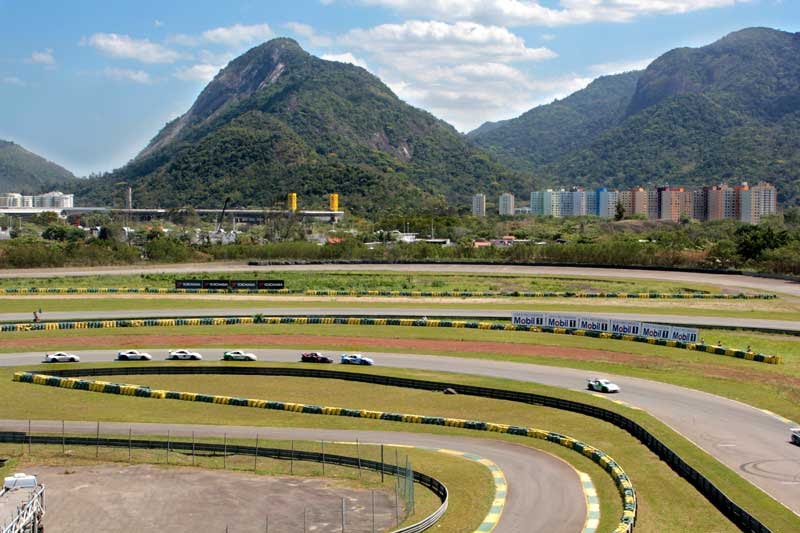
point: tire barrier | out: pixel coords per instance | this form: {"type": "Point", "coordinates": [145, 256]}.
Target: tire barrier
{"type": "Point", "coordinates": [431, 483]}
{"type": "Point", "coordinates": [621, 480]}
{"type": "Point", "coordinates": [361, 321]}
{"type": "Point", "coordinates": [32, 291]}
{"type": "Point", "coordinates": [736, 514]}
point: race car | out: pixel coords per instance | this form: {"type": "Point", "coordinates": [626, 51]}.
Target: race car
{"type": "Point", "coordinates": [239, 355]}
{"type": "Point", "coordinates": [133, 355]}
{"type": "Point", "coordinates": [61, 357]}
{"type": "Point", "coordinates": [184, 354]}
{"type": "Point", "coordinates": [356, 359]}
{"type": "Point", "coordinates": [601, 385]}
{"type": "Point", "coordinates": [314, 357]}
{"type": "Point", "coordinates": [795, 436]}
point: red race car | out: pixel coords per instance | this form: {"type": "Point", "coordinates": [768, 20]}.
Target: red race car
{"type": "Point", "coordinates": [315, 357]}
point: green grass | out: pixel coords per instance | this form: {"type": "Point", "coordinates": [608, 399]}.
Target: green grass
{"type": "Point", "coordinates": [472, 488]}
{"type": "Point", "coordinates": [377, 281]}
{"type": "Point", "coordinates": [755, 309]}
{"type": "Point", "coordinates": [667, 503]}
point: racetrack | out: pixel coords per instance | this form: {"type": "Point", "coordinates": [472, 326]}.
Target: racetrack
{"type": "Point", "coordinates": [720, 280]}
{"type": "Point", "coordinates": [545, 493]}
{"type": "Point", "coordinates": [750, 441]}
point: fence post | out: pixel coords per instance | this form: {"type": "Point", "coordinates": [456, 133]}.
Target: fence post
{"type": "Point", "coordinates": [255, 456]}
{"type": "Point", "coordinates": [97, 442]}
{"type": "Point", "coordinates": [305, 518]}
{"type": "Point", "coordinates": [194, 461]}
{"type": "Point", "coordinates": [396, 505]}
{"type": "Point", "coordinates": [29, 437]}
{"type": "Point", "coordinates": [342, 515]}
{"type": "Point", "coordinates": [168, 438]}
{"type": "Point", "coordinates": [373, 511]}
{"type": "Point", "coordinates": [291, 461]}
{"type": "Point", "coordinates": [130, 442]}
{"type": "Point", "coordinates": [381, 463]}
{"type": "Point", "coordinates": [225, 451]}
{"type": "Point", "coordinates": [266, 525]}
{"type": "Point", "coordinates": [323, 457]}
{"type": "Point", "coordinates": [358, 456]}
{"type": "Point", "coordinates": [63, 439]}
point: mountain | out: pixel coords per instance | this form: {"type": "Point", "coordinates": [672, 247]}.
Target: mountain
{"type": "Point", "coordinates": [546, 133]}
{"type": "Point", "coordinates": [728, 111]}
{"type": "Point", "coordinates": [279, 120]}
{"type": "Point", "coordinates": [24, 171]}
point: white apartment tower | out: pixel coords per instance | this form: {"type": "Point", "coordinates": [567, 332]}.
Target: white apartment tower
{"type": "Point", "coordinates": [479, 205]}
{"type": "Point", "coordinates": [506, 204]}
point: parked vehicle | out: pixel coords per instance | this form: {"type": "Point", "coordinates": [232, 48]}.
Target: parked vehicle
{"type": "Point", "coordinates": [356, 359]}
{"type": "Point", "coordinates": [601, 385]}
{"type": "Point", "coordinates": [315, 357]}
{"type": "Point", "coordinates": [184, 355]}
{"type": "Point", "coordinates": [133, 355]}
{"type": "Point", "coordinates": [61, 357]}
{"type": "Point", "coordinates": [239, 355]}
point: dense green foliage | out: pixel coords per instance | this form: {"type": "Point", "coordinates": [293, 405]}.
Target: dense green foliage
{"type": "Point", "coordinates": [728, 111]}
{"type": "Point", "coordinates": [278, 120]}
{"type": "Point", "coordinates": [25, 172]}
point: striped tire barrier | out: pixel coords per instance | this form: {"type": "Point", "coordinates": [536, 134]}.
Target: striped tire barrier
{"type": "Point", "coordinates": [431, 483]}
{"type": "Point", "coordinates": [361, 321]}
{"type": "Point", "coordinates": [621, 480]}
{"type": "Point", "coordinates": [22, 291]}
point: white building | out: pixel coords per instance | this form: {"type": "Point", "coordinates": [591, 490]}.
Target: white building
{"type": "Point", "coordinates": [479, 205]}
{"type": "Point", "coordinates": [506, 204]}
{"type": "Point", "coordinates": [50, 200]}
{"type": "Point", "coordinates": [607, 203]}
{"type": "Point", "coordinates": [756, 202]}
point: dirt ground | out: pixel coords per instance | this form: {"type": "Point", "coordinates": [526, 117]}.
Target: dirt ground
{"type": "Point", "coordinates": [120, 499]}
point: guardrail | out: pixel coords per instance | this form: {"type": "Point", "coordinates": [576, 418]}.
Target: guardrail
{"type": "Point", "coordinates": [621, 479]}
{"type": "Point", "coordinates": [34, 291]}
{"type": "Point", "coordinates": [361, 321]}
{"type": "Point", "coordinates": [735, 513]}
{"type": "Point", "coordinates": [429, 482]}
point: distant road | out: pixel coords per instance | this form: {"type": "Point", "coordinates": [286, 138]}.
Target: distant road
{"type": "Point", "coordinates": [545, 493]}
{"type": "Point", "coordinates": [720, 280]}
{"type": "Point", "coordinates": [430, 312]}
{"type": "Point", "coordinates": [753, 443]}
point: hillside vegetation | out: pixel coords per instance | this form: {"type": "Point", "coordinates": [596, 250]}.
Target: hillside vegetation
{"type": "Point", "coordinates": [24, 171]}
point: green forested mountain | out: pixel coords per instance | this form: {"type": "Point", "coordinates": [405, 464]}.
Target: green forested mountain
{"type": "Point", "coordinates": [546, 133]}
{"type": "Point", "coordinates": [278, 119]}
{"type": "Point", "coordinates": [727, 111]}
{"type": "Point", "coordinates": [24, 171]}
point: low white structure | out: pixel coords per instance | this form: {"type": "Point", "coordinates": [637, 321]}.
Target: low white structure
{"type": "Point", "coordinates": [50, 200]}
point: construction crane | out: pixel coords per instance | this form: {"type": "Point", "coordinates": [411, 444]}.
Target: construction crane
{"type": "Point", "coordinates": [222, 214]}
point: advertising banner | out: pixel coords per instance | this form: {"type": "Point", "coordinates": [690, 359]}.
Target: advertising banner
{"type": "Point", "coordinates": [244, 285]}
{"type": "Point", "coordinates": [527, 319]}
{"type": "Point", "coordinates": [271, 284]}
{"type": "Point", "coordinates": [659, 331]}
{"type": "Point", "coordinates": [561, 321]}
{"type": "Point", "coordinates": [626, 327]}
{"type": "Point", "coordinates": [188, 284]}
{"type": "Point", "coordinates": [216, 284]}
{"type": "Point", "coordinates": [683, 334]}
{"type": "Point", "coordinates": [594, 324]}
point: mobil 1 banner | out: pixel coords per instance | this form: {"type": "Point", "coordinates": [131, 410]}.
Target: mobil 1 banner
{"type": "Point", "coordinates": [528, 319]}
{"type": "Point", "coordinates": [594, 324]}
{"type": "Point", "coordinates": [561, 321]}
{"type": "Point", "coordinates": [658, 331]}
{"type": "Point", "coordinates": [625, 327]}
{"type": "Point", "coordinates": [683, 334]}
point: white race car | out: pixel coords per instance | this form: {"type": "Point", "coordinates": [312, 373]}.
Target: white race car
{"type": "Point", "coordinates": [61, 357]}
{"type": "Point", "coordinates": [795, 436]}
{"type": "Point", "coordinates": [356, 359]}
{"type": "Point", "coordinates": [239, 355]}
{"type": "Point", "coordinates": [133, 355]}
{"type": "Point", "coordinates": [601, 385]}
{"type": "Point", "coordinates": [184, 354]}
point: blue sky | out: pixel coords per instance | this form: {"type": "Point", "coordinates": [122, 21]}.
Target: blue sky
{"type": "Point", "coordinates": [88, 83]}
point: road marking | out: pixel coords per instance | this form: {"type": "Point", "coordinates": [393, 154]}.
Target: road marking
{"type": "Point", "coordinates": [592, 504]}
{"type": "Point", "coordinates": [777, 416]}
{"type": "Point", "coordinates": [618, 402]}
{"type": "Point", "coordinates": [726, 445]}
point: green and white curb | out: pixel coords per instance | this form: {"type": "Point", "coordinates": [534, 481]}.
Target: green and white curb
{"type": "Point", "coordinates": [592, 504]}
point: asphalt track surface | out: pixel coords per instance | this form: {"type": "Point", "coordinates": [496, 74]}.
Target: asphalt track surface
{"type": "Point", "coordinates": [720, 280]}
{"type": "Point", "coordinates": [753, 443]}
{"type": "Point", "coordinates": [431, 312]}
{"type": "Point", "coordinates": [544, 492]}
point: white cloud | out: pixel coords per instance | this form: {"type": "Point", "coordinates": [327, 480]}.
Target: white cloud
{"type": "Point", "coordinates": [126, 47]}
{"type": "Point", "coordinates": [200, 72]}
{"type": "Point", "coordinates": [309, 34]}
{"type": "Point", "coordinates": [346, 58]}
{"type": "Point", "coordinates": [45, 57]}
{"type": "Point", "coordinates": [535, 13]}
{"type": "Point", "coordinates": [13, 80]}
{"type": "Point", "coordinates": [158, 23]}
{"type": "Point", "coordinates": [605, 69]}
{"type": "Point", "coordinates": [238, 34]}
{"type": "Point", "coordinates": [124, 74]}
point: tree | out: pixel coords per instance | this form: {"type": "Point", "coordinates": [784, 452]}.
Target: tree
{"type": "Point", "coordinates": [620, 212]}
{"type": "Point", "coordinates": [753, 241]}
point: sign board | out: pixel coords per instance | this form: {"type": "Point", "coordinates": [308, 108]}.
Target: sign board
{"type": "Point", "coordinates": [188, 284]}
{"type": "Point", "coordinates": [561, 321]}
{"type": "Point", "coordinates": [683, 334]}
{"type": "Point", "coordinates": [625, 327]}
{"type": "Point", "coordinates": [271, 284]}
{"type": "Point", "coordinates": [527, 319]}
{"type": "Point", "coordinates": [594, 324]}
{"type": "Point", "coordinates": [224, 284]}
{"type": "Point", "coordinates": [216, 284]}
{"type": "Point", "coordinates": [659, 331]}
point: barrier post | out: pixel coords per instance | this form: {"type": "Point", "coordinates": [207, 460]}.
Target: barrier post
{"type": "Point", "coordinates": [255, 456]}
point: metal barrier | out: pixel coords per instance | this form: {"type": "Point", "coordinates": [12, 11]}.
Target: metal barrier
{"type": "Point", "coordinates": [30, 515]}
{"type": "Point", "coordinates": [431, 483]}
{"type": "Point", "coordinates": [735, 513]}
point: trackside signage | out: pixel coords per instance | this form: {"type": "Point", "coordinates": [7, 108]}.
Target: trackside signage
{"type": "Point", "coordinates": [229, 284]}
{"type": "Point", "coordinates": [604, 325]}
